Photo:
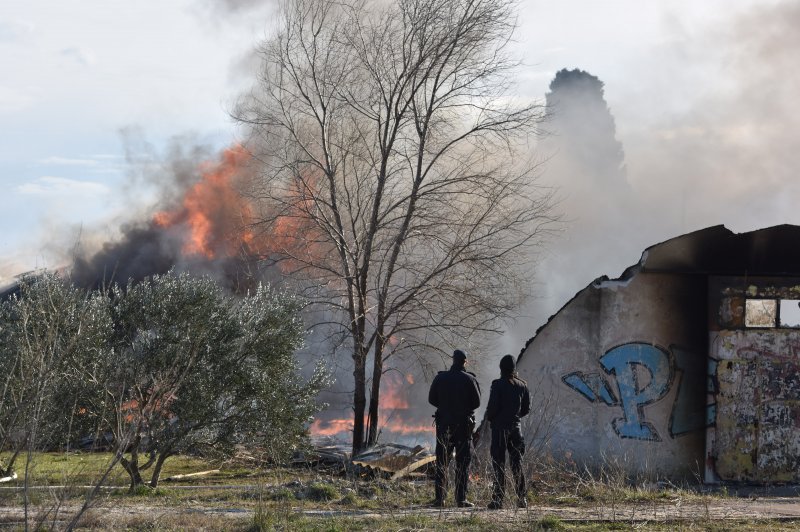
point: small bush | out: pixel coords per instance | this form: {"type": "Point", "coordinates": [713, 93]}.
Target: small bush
{"type": "Point", "coordinates": [263, 519]}
{"type": "Point", "coordinates": [282, 494]}
{"type": "Point", "coordinates": [550, 522]}
{"type": "Point", "coordinates": [349, 499]}
{"type": "Point", "coordinates": [143, 490]}
{"type": "Point", "coordinates": [319, 491]}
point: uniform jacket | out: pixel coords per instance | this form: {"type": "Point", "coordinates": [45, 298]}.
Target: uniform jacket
{"type": "Point", "coordinates": [455, 394]}
{"type": "Point", "coordinates": [509, 401]}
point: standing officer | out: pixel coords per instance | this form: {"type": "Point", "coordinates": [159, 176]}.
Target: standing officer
{"type": "Point", "coordinates": [456, 395]}
{"type": "Point", "coordinates": [509, 400]}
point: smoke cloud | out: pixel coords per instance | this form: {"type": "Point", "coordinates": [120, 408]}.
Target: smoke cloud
{"type": "Point", "coordinates": [706, 134]}
{"type": "Point", "coordinates": [198, 222]}
{"type": "Point", "coordinates": [702, 131]}
{"type": "Point", "coordinates": [730, 156]}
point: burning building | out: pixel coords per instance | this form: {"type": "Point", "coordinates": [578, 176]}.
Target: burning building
{"type": "Point", "coordinates": [686, 366]}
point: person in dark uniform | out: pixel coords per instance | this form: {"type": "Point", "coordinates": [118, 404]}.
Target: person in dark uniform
{"type": "Point", "coordinates": [455, 394]}
{"type": "Point", "coordinates": [509, 401]}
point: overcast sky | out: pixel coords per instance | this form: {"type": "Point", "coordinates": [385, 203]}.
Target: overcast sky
{"type": "Point", "coordinates": [703, 94]}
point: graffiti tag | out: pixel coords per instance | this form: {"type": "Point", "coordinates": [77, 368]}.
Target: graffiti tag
{"type": "Point", "coordinates": [643, 374]}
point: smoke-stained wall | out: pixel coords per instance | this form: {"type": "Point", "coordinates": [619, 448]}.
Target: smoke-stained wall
{"type": "Point", "coordinates": [626, 359]}
{"type": "Point", "coordinates": [686, 365]}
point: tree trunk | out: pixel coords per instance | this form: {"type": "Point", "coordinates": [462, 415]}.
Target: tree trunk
{"type": "Point", "coordinates": [132, 468]}
{"type": "Point", "coordinates": [359, 400]}
{"type": "Point", "coordinates": [157, 469]}
{"type": "Point", "coordinates": [374, 398]}
{"type": "Point", "coordinates": [9, 469]}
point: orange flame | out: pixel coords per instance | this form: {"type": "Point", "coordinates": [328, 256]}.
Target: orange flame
{"type": "Point", "coordinates": [393, 416]}
{"type": "Point", "coordinates": [213, 213]}
{"type": "Point", "coordinates": [395, 408]}
{"type": "Point", "coordinates": [331, 427]}
{"type": "Point", "coordinates": [394, 396]}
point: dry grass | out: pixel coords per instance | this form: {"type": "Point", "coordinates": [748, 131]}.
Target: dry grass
{"type": "Point", "coordinates": [243, 498]}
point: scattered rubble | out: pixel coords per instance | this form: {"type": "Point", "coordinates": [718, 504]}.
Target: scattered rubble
{"type": "Point", "coordinates": [387, 460]}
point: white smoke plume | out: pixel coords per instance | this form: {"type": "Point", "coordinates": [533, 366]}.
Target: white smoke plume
{"type": "Point", "coordinates": [708, 126]}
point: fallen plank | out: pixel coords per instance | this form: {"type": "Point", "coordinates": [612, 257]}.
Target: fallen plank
{"type": "Point", "coordinates": [413, 466]}
{"type": "Point", "coordinates": [191, 475]}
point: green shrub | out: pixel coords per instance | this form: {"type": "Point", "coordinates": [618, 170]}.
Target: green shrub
{"type": "Point", "coordinates": [143, 490]}
{"type": "Point", "coordinates": [282, 494]}
{"type": "Point", "coordinates": [320, 491]}
{"type": "Point", "coordinates": [550, 522]}
{"type": "Point", "coordinates": [349, 499]}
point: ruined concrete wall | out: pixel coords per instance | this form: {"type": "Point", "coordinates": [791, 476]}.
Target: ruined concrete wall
{"type": "Point", "coordinates": [618, 376]}
{"type": "Point", "coordinates": [754, 370]}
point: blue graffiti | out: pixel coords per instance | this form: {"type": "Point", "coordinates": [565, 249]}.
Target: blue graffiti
{"type": "Point", "coordinates": [643, 374]}
{"type": "Point", "coordinates": [623, 361]}
{"type": "Point", "coordinates": [592, 386]}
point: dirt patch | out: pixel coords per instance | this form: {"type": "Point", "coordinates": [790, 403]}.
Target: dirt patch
{"type": "Point", "coordinates": [110, 514]}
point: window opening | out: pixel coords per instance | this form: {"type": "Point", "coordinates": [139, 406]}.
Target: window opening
{"type": "Point", "coordinates": [789, 313]}
{"type": "Point", "coordinates": [760, 312]}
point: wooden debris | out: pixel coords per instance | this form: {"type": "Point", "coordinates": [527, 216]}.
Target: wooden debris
{"type": "Point", "coordinates": [191, 475]}
{"type": "Point", "coordinates": [413, 466]}
{"type": "Point", "coordinates": [388, 460]}
{"type": "Point", "coordinates": [394, 459]}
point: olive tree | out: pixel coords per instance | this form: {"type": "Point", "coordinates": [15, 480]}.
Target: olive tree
{"type": "Point", "coordinates": [194, 369]}
{"type": "Point", "coordinates": [44, 330]}
{"type": "Point", "coordinates": [396, 179]}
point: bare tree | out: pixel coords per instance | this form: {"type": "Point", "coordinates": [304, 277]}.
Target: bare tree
{"type": "Point", "coordinates": [393, 177]}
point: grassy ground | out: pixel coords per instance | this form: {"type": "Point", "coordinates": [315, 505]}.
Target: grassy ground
{"type": "Point", "coordinates": [243, 498]}
{"type": "Point", "coordinates": [79, 468]}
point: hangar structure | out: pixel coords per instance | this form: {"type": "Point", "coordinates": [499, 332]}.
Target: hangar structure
{"type": "Point", "coordinates": [685, 367]}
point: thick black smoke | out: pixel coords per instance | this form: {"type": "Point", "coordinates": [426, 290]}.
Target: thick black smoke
{"type": "Point", "coordinates": [143, 250]}
{"type": "Point", "coordinates": [197, 224]}
{"type": "Point", "coordinates": [146, 249]}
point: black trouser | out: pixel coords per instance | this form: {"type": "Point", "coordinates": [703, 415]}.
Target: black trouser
{"type": "Point", "coordinates": [451, 437]}
{"type": "Point", "coordinates": [507, 440]}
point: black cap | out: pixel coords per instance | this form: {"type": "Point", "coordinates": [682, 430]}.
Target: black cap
{"type": "Point", "coordinates": [459, 356]}
{"type": "Point", "coordinates": [507, 364]}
